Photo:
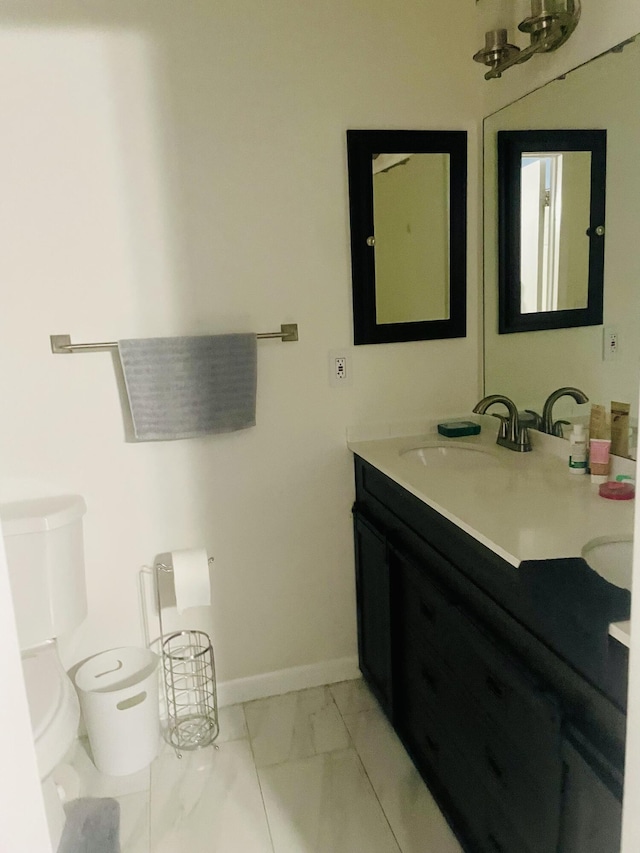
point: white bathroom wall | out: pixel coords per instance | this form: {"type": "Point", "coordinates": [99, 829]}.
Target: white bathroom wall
{"type": "Point", "coordinates": [172, 168]}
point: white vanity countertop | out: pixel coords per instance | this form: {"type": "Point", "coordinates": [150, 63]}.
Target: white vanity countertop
{"type": "Point", "coordinates": [621, 631]}
{"type": "Point", "coordinates": [527, 507]}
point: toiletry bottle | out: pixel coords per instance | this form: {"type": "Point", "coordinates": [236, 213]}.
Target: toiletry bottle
{"type": "Point", "coordinates": [599, 459]}
{"type": "Point", "coordinates": [578, 450]}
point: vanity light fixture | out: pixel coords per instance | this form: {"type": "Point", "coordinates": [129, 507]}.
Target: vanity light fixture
{"type": "Point", "coordinates": [550, 24]}
{"type": "Point", "coordinates": [496, 52]}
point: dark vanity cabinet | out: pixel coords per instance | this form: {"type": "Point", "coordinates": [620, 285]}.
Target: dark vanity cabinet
{"type": "Point", "coordinates": [593, 799]}
{"type": "Point", "coordinates": [521, 750]}
{"type": "Point", "coordinates": [374, 614]}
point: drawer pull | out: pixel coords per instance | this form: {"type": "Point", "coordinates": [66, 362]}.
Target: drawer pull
{"type": "Point", "coordinates": [433, 746]}
{"type": "Point", "coordinates": [495, 844]}
{"type": "Point", "coordinates": [427, 612]}
{"type": "Point", "coordinates": [495, 686]}
{"type": "Point", "coordinates": [494, 766]}
{"type": "Point", "coordinates": [429, 679]}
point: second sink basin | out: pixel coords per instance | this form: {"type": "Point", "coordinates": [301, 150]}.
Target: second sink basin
{"type": "Point", "coordinates": [612, 558]}
{"type": "Point", "coordinates": [441, 455]}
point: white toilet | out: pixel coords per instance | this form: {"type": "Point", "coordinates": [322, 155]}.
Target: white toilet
{"type": "Point", "coordinates": [45, 554]}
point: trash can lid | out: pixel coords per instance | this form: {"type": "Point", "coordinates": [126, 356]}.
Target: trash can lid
{"type": "Point", "coordinates": [115, 669]}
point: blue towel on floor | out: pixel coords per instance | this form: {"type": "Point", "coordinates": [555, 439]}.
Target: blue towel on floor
{"type": "Point", "coordinates": [93, 826]}
{"type": "Point", "coordinates": [190, 386]}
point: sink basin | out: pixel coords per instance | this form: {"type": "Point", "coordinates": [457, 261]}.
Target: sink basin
{"type": "Point", "coordinates": [441, 455]}
{"type": "Point", "coordinates": [611, 557]}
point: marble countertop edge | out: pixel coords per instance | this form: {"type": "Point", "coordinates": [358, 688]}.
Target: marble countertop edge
{"type": "Point", "coordinates": [621, 631]}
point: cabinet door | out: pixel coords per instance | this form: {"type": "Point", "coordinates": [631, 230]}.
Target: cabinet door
{"type": "Point", "coordinates": [592, 808]}
{"type": "Point", "coordinates": [373, 610]}
{"type": "Point", "coordinates": [460, 695]}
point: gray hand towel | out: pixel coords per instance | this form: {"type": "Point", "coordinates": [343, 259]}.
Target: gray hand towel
{"type": "Point", "coordinates": [189, 386]}
{"type": "Point", "coordinates": [93, 826]}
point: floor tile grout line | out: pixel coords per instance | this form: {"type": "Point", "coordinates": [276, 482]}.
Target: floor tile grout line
{"type": "Point", "coordinates": [255, 767]}
{"type": "Point", "coordinates": [355, 711]}
{"type": "Point", "coordinates": [290, 759]}
{"type": "Point", "coordinates": [375, 794]}
{"type": "Point", "coordinates": [282, 763]}
{"type": "Point", "coordinates": [364, 770]}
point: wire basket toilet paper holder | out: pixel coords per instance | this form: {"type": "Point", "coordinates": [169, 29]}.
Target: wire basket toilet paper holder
{"type": "Point", "coordinates": [189, 680]}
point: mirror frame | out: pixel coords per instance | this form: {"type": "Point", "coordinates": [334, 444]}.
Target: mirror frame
{"type": "Point", "coordinates": [361, 146]}
{"type": "Point", "coordinates": [511, 145]}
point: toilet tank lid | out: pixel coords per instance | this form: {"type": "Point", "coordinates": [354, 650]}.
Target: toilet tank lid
{"type": "Point", "coordinates": [40, 514]}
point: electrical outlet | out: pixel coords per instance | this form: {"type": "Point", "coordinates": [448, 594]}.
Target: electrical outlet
{"type": "Point", "coordinates": [339, 369]}
{"type": "Point", "coordinates": [610, 343]}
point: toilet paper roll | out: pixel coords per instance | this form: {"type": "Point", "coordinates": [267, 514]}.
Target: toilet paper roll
{"type": "Point", "coordinates": [191, 578]}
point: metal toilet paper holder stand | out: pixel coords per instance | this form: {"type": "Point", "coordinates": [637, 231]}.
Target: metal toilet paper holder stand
{"type": "Point", "coordinates": [189, 679]}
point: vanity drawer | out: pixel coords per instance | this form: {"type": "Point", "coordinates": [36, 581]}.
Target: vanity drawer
{"type": "Point", "coordinates": [531, 799]}
{"type": "Point", "coordinates": [446, 770]}
{"type": "Point", "coordinates": [485, 822]}
{"type": "Point", "coordinates": [528, 714]}
{"type": "Point", "coordinates": [427, 611]}
{"type": "Point", "coordinates": [497, 833]}
{"type": "Point", "coordinates": [527, 787]}
{"type": "Point", "coordinates": [505, 691]}
{"type": "Point", "coordinates": [428, 682]}
{"type": "Point", "coordinates": [593, 790]}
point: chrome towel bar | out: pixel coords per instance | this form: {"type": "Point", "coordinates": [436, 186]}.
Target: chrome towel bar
{"type": "Point", "coordinates": [61, 344]}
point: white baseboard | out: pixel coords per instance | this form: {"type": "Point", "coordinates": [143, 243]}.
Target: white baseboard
{"type": "Point", "coordinates": [286, 680]}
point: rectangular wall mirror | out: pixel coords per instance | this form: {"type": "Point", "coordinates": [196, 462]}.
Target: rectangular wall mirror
{"type": "Point", "coordinates": [551, 207]}
{"type": "Point", "coordinates": [528, 366]}
{"type": "Point", "coordinates": [407, 200]}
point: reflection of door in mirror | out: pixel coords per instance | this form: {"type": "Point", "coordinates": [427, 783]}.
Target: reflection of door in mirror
{"type": "Point", "coordinates": [554, 244]}
{"type": "Point", "coordinates": [551, 185]}
{"type": "Point", "coordinates": [411, 228]}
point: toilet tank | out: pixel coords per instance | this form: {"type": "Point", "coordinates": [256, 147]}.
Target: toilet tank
{"type": "Point", "coordinates": [45, 555]}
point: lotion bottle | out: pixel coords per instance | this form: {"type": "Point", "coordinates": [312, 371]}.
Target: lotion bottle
{"type": "Point", "coordinates": [578, 450]}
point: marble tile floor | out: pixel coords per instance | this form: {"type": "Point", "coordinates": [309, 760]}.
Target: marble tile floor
{"type": "Point", "coordinates": [316, 771]}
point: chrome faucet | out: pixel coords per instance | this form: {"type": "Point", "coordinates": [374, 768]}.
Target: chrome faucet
{"type": "Point", "coordinates": [511, 434]}
{"type": "Point", "coordinates": [550, 426]}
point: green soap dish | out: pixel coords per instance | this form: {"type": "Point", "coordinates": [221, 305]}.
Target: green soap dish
{"type": "Point", "coordinates": [455, 429]}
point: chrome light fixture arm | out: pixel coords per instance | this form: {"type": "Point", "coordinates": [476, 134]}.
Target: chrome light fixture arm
{"type": "Point", "coordinates": [548, 26]}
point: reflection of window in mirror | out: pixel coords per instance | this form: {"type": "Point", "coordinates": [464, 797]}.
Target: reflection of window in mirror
{"type": "Point", "coordinates": [554, 244]}
{"type": "Point", "coordinates": [411, 227]}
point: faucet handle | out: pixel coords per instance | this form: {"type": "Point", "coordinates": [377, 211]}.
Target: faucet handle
{"type": "Point", "coordinates": [524, 442]}
{"type": "Point", "coordinates": [557, 428]}
{"type": "Point", "coordinates": [504, 424]}
{"type": "Point", "coordinates": [535, 417]}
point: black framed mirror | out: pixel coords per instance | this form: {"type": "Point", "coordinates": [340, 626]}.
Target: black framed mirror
{"type": "Point", "coordinates": [551, 223]}
{"type": "Point", "coordinates": [407, 202]}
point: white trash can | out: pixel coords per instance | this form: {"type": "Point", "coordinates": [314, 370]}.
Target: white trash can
{"type": "Point", "coordinates": [118, 692]}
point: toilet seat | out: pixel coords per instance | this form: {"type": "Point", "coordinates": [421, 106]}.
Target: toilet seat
{"type": "Point", "coordinates": [53, 706]}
